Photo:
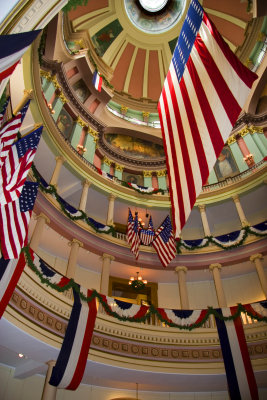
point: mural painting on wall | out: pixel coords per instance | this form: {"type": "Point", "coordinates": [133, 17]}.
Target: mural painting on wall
{"type": "Point", "coordinates": [135, 147]}
{"type": "Point", "coordinates": [65, 123]}
{"type": "Point", "coordinates": [81, 90]}
{"type": "Point", "coordinates": [137, 179]}
{"type": "Point", "coordinates": [225, 165]}
{"type": "Point", "coordinates": [103, 38]}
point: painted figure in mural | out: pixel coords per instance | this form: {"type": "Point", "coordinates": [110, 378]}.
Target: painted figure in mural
{"type": "Point", "coordinates": [225, 165]}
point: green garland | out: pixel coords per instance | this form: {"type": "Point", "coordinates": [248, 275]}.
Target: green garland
{"type": "Point", "coordinates": [211, 240]}
{"type": "Point", "coordinates": [41, 48]}
{"type": "Point", "coordinates": [155, 191]}
{"type": "Point", "coordinates": [83, 216]}
{"type": "Point", "coordinates": [3, 99]}
{"type": "Point", "coordinates": [151, 310]}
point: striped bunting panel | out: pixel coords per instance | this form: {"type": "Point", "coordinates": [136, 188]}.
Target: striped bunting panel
{"type": "Point", "coordinates": [240, 376]}
{"type": "Point", "coordinates": [70, 366]}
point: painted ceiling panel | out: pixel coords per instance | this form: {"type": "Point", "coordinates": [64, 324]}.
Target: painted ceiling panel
{"type": "Point", "coordinates": [122, 68]}
{"type": "Point", "coordinates": [229, 30]}
{"type": "Point", "coordinates": [92, 5]}
{"type": "Point", "coordinates": [154, 82]}
{"type": "Point", "coordinates": [232, 7]}
{"type": "Point", "coordinates": [137, 78]}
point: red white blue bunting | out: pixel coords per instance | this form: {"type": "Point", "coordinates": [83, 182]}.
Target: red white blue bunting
{"type": "Point", "coordinates": [124, 309]}
{"type": "Point", "coordinates": [183, 317]}
{"type": "Point", "coordinates": [52, 276]}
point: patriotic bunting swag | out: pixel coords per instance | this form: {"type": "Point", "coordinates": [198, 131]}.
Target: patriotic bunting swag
{"type": "Point", "coordinates": [203, 94]}
{"type": "Point", "coordinates": [240, 376]}
{"type": "Point", "coordinates": [71, 362]}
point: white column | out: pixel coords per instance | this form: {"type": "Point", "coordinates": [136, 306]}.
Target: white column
{"type": "Point", "coordinates": [256, 259]}
{"type": "Point", "coordinates": [83, 200]}
{"type": "Point", "coordinates": [49, 391]}
{"type": "Point", "coordinates": [73, 256]}
{"type": "Point", "coordinates": [240, 211]}
{"type": "Point", "coordinates": [206, 228]}
{"type": "Point", "coordinates": [110, 215]}
{"type": "Point", "coordinates": [106, 261]}
{"type": "Point", "coordinates": [59, 162]}
{"type": "Point", "coordinates": [215, 268]}
{"type": "Point", "coordinates": [181, 272]}
{"type": "Point", "coordinates": [42, 219]}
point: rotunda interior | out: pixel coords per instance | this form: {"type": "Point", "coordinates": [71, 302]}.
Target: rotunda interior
{"type": "Point", "coordinates": [101, 154]}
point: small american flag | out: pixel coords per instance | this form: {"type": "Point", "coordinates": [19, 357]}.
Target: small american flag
{"type": "Point", "coordinates": [204, 91]}
{"type": "Point", "coordinates": [8, 133]}
{"type": "Point", "coordinates": [14, 221]}
{"type": "Point", "coordinates": [16, 166]}
{"type": "Point", "coordinates": [147, 235]}
{"type": "Point", "coordinates": [133, 233]}
{"type": "Point", "coordinates": [164, 242]}
{"type": "Point", "coordinates": [130, 232]}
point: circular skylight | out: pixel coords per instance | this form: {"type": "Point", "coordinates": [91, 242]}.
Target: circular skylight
{"type": "Point", "coordinates": [153, 5]}
{"type": "Point", "coordinates": [154, 16]}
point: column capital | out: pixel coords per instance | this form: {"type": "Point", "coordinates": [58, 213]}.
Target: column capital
{"type": "Point", "coordinates": [257, 256]}
{"type": "Point", "coordinates": [42, 215]}
{"type": "Point", "coordinates": [86, 183]}
{"type": "Point", "coordinates": [75, 241]}
{"type": "Point", "coordinates": [51, 363]}
{"type": "Point", "coordinates": [28, 93]}
{"type": "Point", "coordinates": [112, 196]}
{"type": "Point", "coordinates": [60, 158]}
{"type": "Point", "coordinates": [214, 266]}
{"type": "Point", "coordinates": [119, 167]}
{"type": "Point", "coordinates": [107, 256]}
{"type": "Point", "coordinates": [235, 197]}
{"type": "Point", "coordinates": [147, 174]}
{"type": "Point", "coordinates": [181, 268]}
{"type": "Point", "coordinates": [202, 207]}
{"type": "Point", "coordinates": [162, 172]}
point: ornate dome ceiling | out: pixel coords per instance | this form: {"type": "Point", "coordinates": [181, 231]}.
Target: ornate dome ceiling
{"type": "Point", "coordinates": [136, 52]}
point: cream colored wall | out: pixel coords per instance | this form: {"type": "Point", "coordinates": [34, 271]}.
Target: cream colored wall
{"type": "Point", "coordinates": [88, 278]}
{"type": "Point", "coordinates": [239, 289]}
{"type": "Point", "coordinates": [168, 295]}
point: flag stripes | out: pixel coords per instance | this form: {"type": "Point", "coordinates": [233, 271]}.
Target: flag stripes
{"type": "Point", "coordinates": [14, 221]}
{"type": "Point", "coordinates": [12, 49]}
{"type": "Point", "coordinates": [71, 362]}
{"type": "Point", "coordinates": [10, 272]}
{"type": "Point", "coordinates": [204, 91]}
{"type": "Point", "coordinates": [239, 373]}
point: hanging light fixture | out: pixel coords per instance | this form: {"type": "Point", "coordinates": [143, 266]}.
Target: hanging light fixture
{"type": "Point", "coordinates": [138, 282]}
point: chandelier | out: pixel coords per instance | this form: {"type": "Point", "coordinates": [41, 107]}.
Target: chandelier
{"type": "Point", "coordinates": [138, 282]}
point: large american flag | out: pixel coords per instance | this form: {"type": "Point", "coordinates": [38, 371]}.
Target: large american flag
{"type": "Point", "coordinates": [16, 166]}
{"type": "Point", "coordinates": [14, 221]}
{"type": "Point", "coordinates": [203, 94]}
{"type": "Point", "coordinates": [164, 242]}
{"type": "Point", "coordinates": [9, 132]}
